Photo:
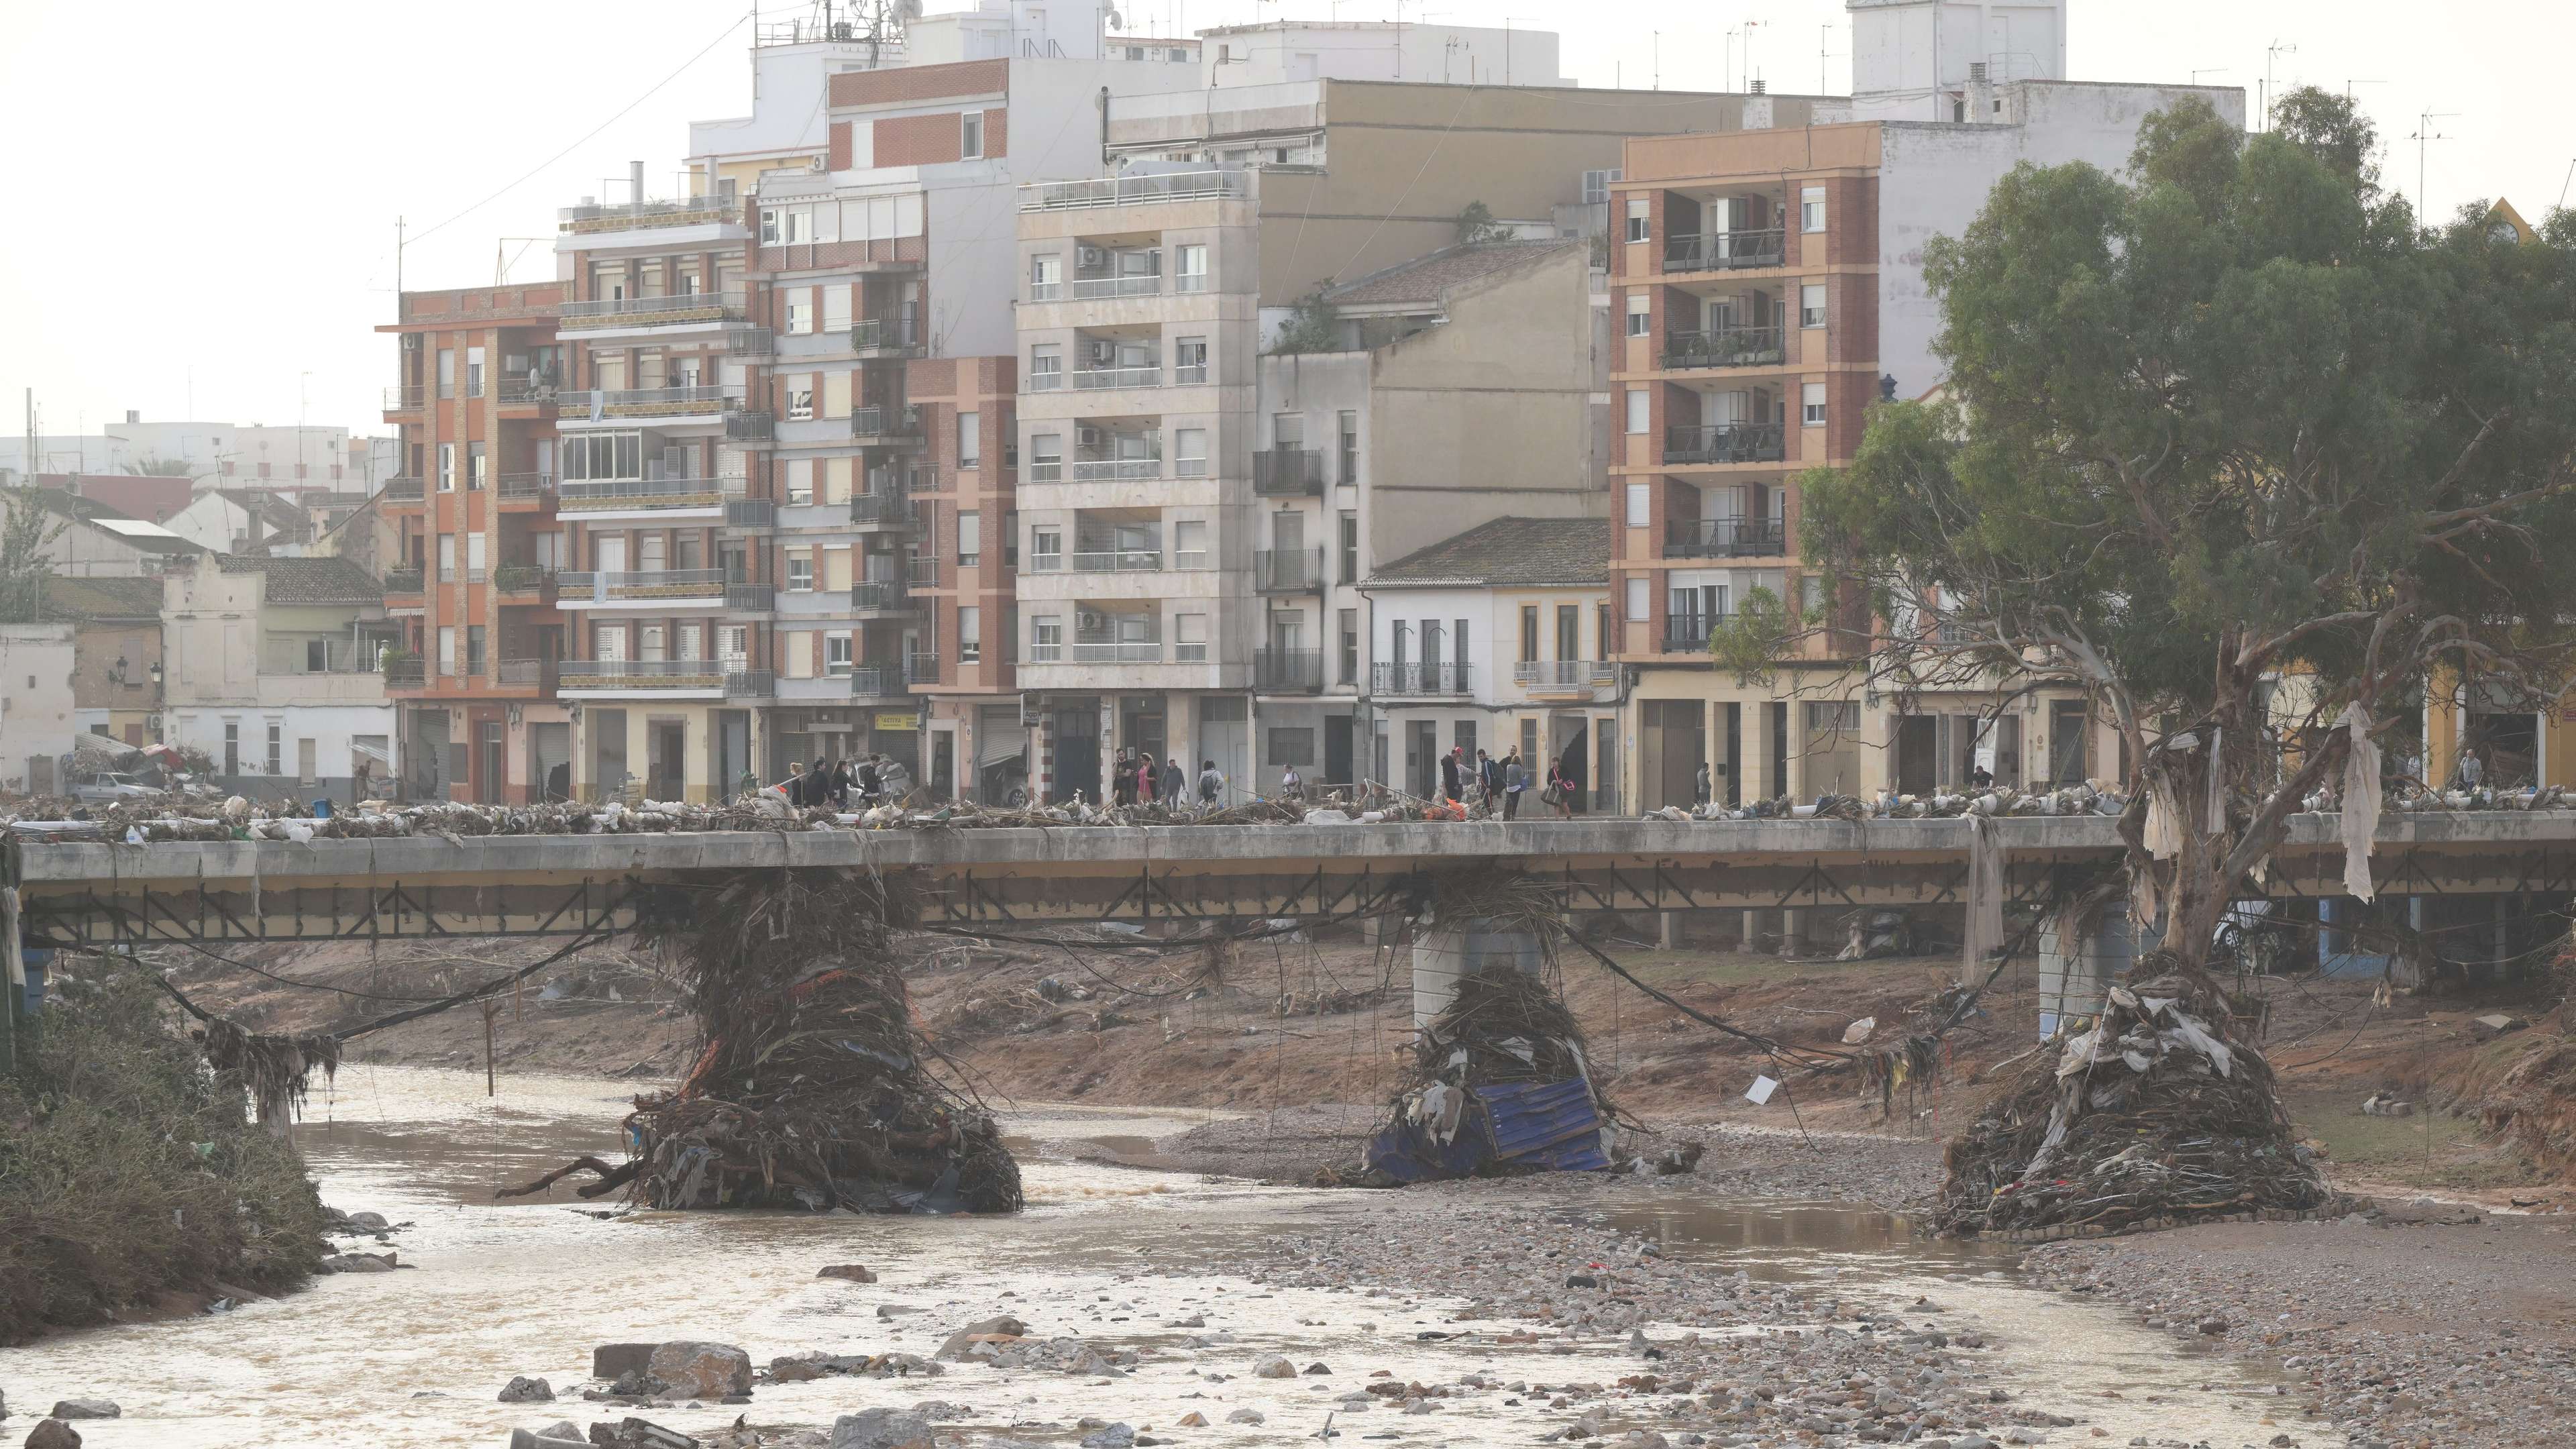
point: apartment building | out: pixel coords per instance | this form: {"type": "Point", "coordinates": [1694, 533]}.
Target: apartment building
{"type": "Point", "coordinates": [1494, 640]}
{"type": "Point", "coordinates": [272, 668]}
{"type": "Point", "coordinates": [1769, 288]}
{"type": "Point", "coordinates": [116, 653]}
{"type": "Point", "coordinates": [477, 543]}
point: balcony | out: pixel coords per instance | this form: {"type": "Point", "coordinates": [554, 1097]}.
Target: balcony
{"type": "Point", "coordinates": [922, 573]}
{"type": "Point", "coordinates": [1110, 470]}
{"type": "Point", "coordinates": [1688, 633]}
{"type": "Point", "coordinates": [1725, 538]}
{"type": "Point", "coordinates": [1118, 561]}
{"type": "Point", "coordinates": [751, 344]}
{"type": "Point", "coordinates": [1288, 571]}
{"type": "Point", "coordinates": [404, 490]}
{"type": "Point", "coordinates": [647, 402]}
{"type": "Point", "coordinates": [751, 513]}
{"type": "Point", "coordinates": [875, 337]}
{"type": "Point", "coordinates": [524, 673]}
{"type": "Point", "coordinates": [411, 673]}
{"type": "Point", "coordinates": [402, 581]}
{"type": "Point", "coordinates": [1101, 379]}
{"type": "Point", "coordinates": [699, 309]}
{"type": "Point", "coordinates": [594, 497]}
{"type": "Point", "coordinates": [880, 599]}
{"type": "Point", "coordinates": [886, 425]}
{"type": "Point", "coordinates": [1132, 190]}
{"type": "Point", "coordinates": [1417, 679]}
{"type": "Point", "coordinates": [1082, 289]}
{"type": "Point", "coordinates": [522, 389]}
{"type": "Point", "coordinates": [532, 488]}
{"type": "Point", "coordinates": [1726, 347]}
{"type": "Point", "coordinates": [1288, 671]}
{"type": "Point", "coordinates": [742, 598]}
{"type": "Point", "coordinates": [1724, 251]}
{"type": "Point", "coordinates": [921, 668]}
{"type": "Point", "coordinates": [1564, 676]}
{"type": "Point", "coordinates": [749, 683]}
{"type": "Point", "coordinates": [593, 216]}
{"type": "Point", "coordinates": [1123, 651]}
{"type": "Point", "coordinates": [403, 399]}
{"type": "Point", "coordinates": [524, 579]}
{"type": "Point", "coordinates": [704, 677]}
{"type": "Point", "coordinates": [1288, 473]}
{"type": "Point", "coordinates": [1725, 443]}
{"type": "Point", "coordinates": [881, 508]}
{"type": "Point", "coordinates": [750, 427]}
{"type": "Point", "coordinates": [696, 588]}
{"type": "Point", "coordinates": [877, 681]}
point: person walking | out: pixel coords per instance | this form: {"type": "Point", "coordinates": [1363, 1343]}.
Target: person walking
{"type": "Point", "coordinates": [1562, 784]}
{"type": "Point", "coordinates": [868, 781]}
{"type": "Point", "coordinates": [1211, 785]}
{"type": "Point", "coordinates": [1704, 786]}
{"type": "Point", "coordinates": [1122, 778]}
{"type": "Point", "coordinates": [1515, 781]}
{"type": "Point", "coordinates": [1489, 775]}
{"type": "Point", "coordinates": [1449, 774]}
{"type": "Point", "coordinates": [1175, 782]}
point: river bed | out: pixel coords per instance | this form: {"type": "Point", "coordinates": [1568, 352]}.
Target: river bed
{"type": "Point", "coordinates": [1104, 1252]}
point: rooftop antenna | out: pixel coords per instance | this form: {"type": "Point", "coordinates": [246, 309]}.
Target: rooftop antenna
{"type": "Point", "coordinates": [2272, 53]}
{"type": "Point", "coordinates": [1824, 75]}
{"type": "Point", "coordinates": [1746, 31]}
{"type": "Point", "coordinates": [2425, 134]}
{"type": "Point", "coordinates": [2207, 70]}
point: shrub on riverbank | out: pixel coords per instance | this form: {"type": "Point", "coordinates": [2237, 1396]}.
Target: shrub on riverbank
{"type": "Point", "coordinates": [128, 1172]}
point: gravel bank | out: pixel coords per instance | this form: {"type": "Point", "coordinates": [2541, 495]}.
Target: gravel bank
{"type": "Point", "coordinates": [2443, 1336]}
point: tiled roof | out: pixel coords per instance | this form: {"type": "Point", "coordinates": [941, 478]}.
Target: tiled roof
{"type": "Point", "coordinates": [69, 505]}
{"type": "Point", "coordinates": [102, 597]}
{"type": "Point", "coordinates": [308, 580]}
{"type": "Point", "coordinates": [1510, 551]}
{"type": "Point", "coordinates": [1429, 278]}
{"type": "Point", "coordinates": [276, 515]}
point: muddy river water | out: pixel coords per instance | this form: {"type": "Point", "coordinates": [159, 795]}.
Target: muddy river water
{"type": "Point", "coordinates": [415, 1357]}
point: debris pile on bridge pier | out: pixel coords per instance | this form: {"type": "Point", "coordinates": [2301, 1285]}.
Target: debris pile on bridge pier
{"type": "Point", "coordinates": [2156, 1113]}
{"type": "Point", "coordinates": [809, 1088]}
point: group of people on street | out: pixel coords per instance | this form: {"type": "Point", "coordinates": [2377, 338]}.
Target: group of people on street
{"type": "Point", "coordinates": [845, 783]}
{"type": "Point", "coordinates": [1136, 779]}
{"type": "Point", "coordinates": [1498, 785]}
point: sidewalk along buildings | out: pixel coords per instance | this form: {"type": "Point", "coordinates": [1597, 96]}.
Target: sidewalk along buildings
{"type": "Point", "coordinates": [1496, 640]}
{"type": "Point", "coordinates": [476, 543]}
{"type": "Point", "coordinates": [272, 668]}
{"type": "Point", "coordinates": [1769, 288]}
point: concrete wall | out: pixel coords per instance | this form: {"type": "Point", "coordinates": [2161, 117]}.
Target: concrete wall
{"type": "Point", "coordinates": [36, 662]}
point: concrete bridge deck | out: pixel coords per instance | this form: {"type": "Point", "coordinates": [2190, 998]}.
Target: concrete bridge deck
{"type": "Point", "coordinates": [96, 893]}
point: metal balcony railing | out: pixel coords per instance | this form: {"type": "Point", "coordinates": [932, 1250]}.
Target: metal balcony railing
{"type": "Point", "coordinates": [640, 674]}
{"type": "Point", "coordinates": [922, 573]}
{"type": "Point", "coordinates": [1724, 251]}
{"type": "Point", "coordinates": [623, 215]}
{"type": "Point", "coordinates": [1128, 651]}
{"type": "Point", "coordinates": [404, 490]}
{"type": "Point", "coordinates": [1129, 190]}
{"type": "Point", "coordinates": [750, 426]}
{"type": "Point", "coordinates": [742, 598]}
{"type": "Point", "coordinates": [403, 399]}
{"type": "Point", "coordinates": [902, 421]}
{"type": "Point", "coordinates": [1046, 291]}
{"type": "Point", "coordinates": [523, 578]}
{"type": "Point", "coordinates": [1288, 669]}
{"type": "Point", "coordinates": [576, 495]}
{"type": "Point", "coordinates": [1107, 470]}
{"type": "Point", "coordinates": [877, 681]}
{"type": "Point", "coordinates": [1046, 470]}
{"type": "Point", "coordinates": [1051, 380]}
{"type": "Point", "coordinates": [1118, 561]}
{"type": "Point", "coordinates": [651, 311]}
{"type": "Point", "coordinates": [881, 507]}
{"type": "Point", "coordinates": [1288, 571]}
{"type": "Point", "coordinates": [653, 584]}
{"type": "Point", "coordinates": [647, 402]}
{"type": "Point", "coordinates": [514, 487]}
{"type": "Point", "coordinates": [1418, 679]}
{"type": "Point", "coordinates": [1725, 443]}
{"type": "Point", "coordinates": [1688, 633]}
{"type": "Point", "coordinates": [402, 581]}
{"type": "Point", "coordinates": [522, 389]}
{"type": "Point", "coordinates": [1144, 285]}
{"type": "Point", "coordinates": [1096, 379]}
{"type": "Point", "coordinates": [921, 667]}
{"type": "Point", "coordinates": [748, 683]}
{"type": "Point", "coordinates": [1725, 347]}
{"type": "Point", "coordinates": [750, 513]}
{"type": "Point", "coordinates": [896, 335]}
{"type": "Point", "coordinates": [522, 672]}
{"type": "Point", "coordinates": [1189, 374]}
{"type": "Point", "coordinates": [880, 596]}
{"type": "Point", "coordinates": [751, 343]}
{"type": "Point", "coordinates": [1725, 538]}
{"type": "Point", "coordinates": [1189, 282]}
{"type": "Point", "coordinates": [1563, 675]}
{"type": "Point", "coordinates": [1288, 473]}
{"type": "Point", "coordinates": [406, 673]}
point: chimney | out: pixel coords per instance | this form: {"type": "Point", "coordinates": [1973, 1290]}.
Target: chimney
{"type": "Point", "coordinates": [133, 415]}
{"type": "Point", "coordinates": [257, 546]}
{"type": "Point", "coordinates": [1761, 87]}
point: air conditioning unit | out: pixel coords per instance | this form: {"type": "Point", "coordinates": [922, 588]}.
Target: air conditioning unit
{"type": "Point", "coordinates": [1101, 352]}
{"type": "Point", "coordinates": [412, 341]}
{"type": "Point", "coordinates": [1088, 619]}
{"type": "Point", "coordinates": [820, 163]}
{"type": "Point", "coordinates": [1090, 257]}
{"type": "Point", "coordinates": [1093, 437]}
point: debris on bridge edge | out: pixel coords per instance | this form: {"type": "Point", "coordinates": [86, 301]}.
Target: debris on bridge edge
{"type": "Point", "coordinates": [809, 1088]}
{"type": "Point", "coordinates": [2158, 1113]}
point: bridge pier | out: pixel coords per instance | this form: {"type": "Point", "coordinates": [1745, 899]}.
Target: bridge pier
{"type": "Point", "coordinates": [2078, 960]}
{"type": "Point", "coordinates": [1447, 950]}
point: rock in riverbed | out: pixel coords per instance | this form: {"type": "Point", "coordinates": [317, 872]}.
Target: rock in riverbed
{"type": "Point", "coordinates": [700, 1370]}
{"type": "Point", "coordinates": [53, 1434]}
{"type": "Point", "coordinates": [522, 1389]}
{"type": "Point", "coordinates": [881, 1429]}
{"type": "Point", "coordinates": [87, 1409]}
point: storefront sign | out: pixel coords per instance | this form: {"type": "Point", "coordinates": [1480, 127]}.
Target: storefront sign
{"type": "Point", "coordinates": [887, 719]}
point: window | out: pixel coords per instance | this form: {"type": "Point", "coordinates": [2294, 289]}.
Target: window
{"type": "Point", "coordinates": [1193, 263]}
{"type": "Point", "coordinates": [317, 656]}
{"type": "Point", "coordinates": [970, 440]}
{"type": "Point", "coordinates": [1046, 640]}
{"type": "Point", "coordinates": [1637, 410]}
{"type": "Point", "coordinates": [1640, 596]}
{"type": "Point", "coordinates": [447, 467]}
{"type": "Point", "coordinates": [232, 747]}
{"type": "Point", "coordinates": [1350, 548]}
{"type": "Point", "coordinates": [307, 760]}
{"type": "Point", "coordinates": [1641, 218]}
{"type": "Point", "coordinates": [1190, 544]}
{"type": "Point", "coordinates": [447, 558]}
{"type": "Point", "coordinates": [1640, 502]}
{"type": "Point", "coordinates": [836, 307]}
{"type": "Point", "coordinates": [476, 546]}
{"type": "Point", "coordinates": [603, 456]}
{"type": "Point", "coordinates": [800, 400]}
{"type": "Point", "coordinates": [608, 643]}
{"type": "Point", "coordinates": [970, 538]}
{"type": "Point", "coordinates": [1601, 631]}
{"type": "Point", "coordinates": [1823, 715]}
{"type": "Point", "coordinates": [800, 571]}
{"type": "Point", "coordinates": [733, 644]}
{"type": "Point", "coordinates": [1811, 594]}
{"type": "Point", "coordinates": [970, 136]}
{"type": "Point", "coordinates": [652, 643]}
{"type": "Point", "coordinates": [970, 635]}
{"type": "Point", "coordinates": [1811, 305]}
{"type": "Point", "coordinates": [1046, 277]}
{"type": "Point", "coordinates": [1349, 429]}
{"type": "Point", "coordinates": [1569, 631]}
{"type": "Point", "coordinates": [1458, 645]}
{"type": "Point", "coordinates": [475, 459]}
{"type": "Point", "coordinates": [276, 747]}
{"type": "Point", "coordinates": [1641, 314]}
{"type": "Point", "coordinates": [1287, 431]}
{"type": "Point", "coordinates": [1529, 633]}
{"type": "Point", "coordinates": [1292, 745]}
{"type": "Point", "coordinates": [474, 649]}
{"type": "Point", "coordinates": [1349, 652]}
{"type": "Point", "coordinates": [1190, 452]}
{"type": "Point", "coordinates": [1811, 404]}
{"type": "Point", "coordinates": [1189, 360]}
{"type": "Point", "coordinates": [837, 654]}
{"type": "Point", "coordinates": [692, 642]}
{"type": "Point", "coordinates": [1046, 550]}
{"type": "Point", "coordinates": [800, 311]}
{"type": "Point", "coordinates": [1189, 638]}
{"type": "Point", "coordinates": [474, 372]}
{"type": "Point", "coordinates": [1811, 208]}
{"type": "Point", "coordinates": [1596, 186]}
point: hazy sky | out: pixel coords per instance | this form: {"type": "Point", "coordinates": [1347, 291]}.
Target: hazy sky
{"type": "Point", "coordinates": [263, 152]}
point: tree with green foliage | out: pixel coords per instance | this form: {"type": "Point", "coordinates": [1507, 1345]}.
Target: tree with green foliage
{"type": "Point", "coordinates": [26, 535]}
{"type": "Point", "coordinates": [1475, 226]}
{"type": "Point", "coordinates": [1313, 325]}
{"type": "Point", "coordinates": [2233, 445]}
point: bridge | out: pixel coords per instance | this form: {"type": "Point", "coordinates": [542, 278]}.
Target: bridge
{"type": "Point", "coordinates": [98, 894]}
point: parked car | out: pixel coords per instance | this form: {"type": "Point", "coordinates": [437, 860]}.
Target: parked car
{"type": "Point", "coordinates": [105, 785]}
